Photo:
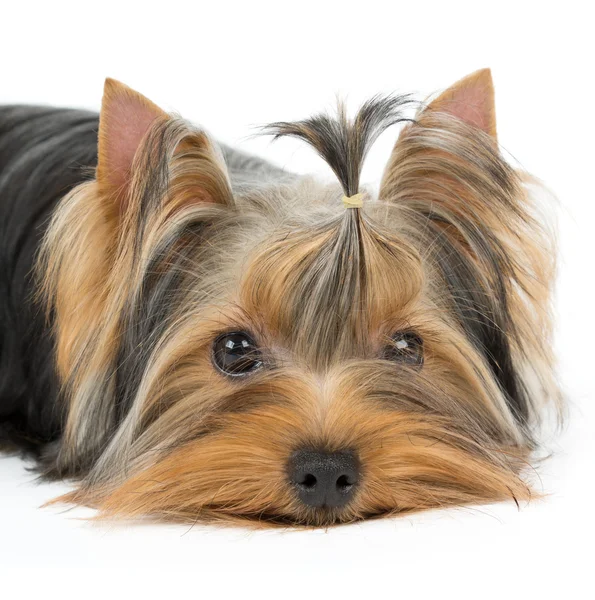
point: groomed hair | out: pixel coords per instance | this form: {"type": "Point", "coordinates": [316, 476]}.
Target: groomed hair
{"type": "Point", "coordinates": [342, 142]}
{"type": "Point", "coordinates": [451, 164]}
{"type": "Point", "coordinates": [335, 290]}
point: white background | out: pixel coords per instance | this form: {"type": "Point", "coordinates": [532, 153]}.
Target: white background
{"type": "Point", "coordinates": [230, 66]}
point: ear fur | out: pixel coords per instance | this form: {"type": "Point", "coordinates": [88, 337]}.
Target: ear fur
{"type": "Point", "coordinates": [471, 100]}
{"type": "Point", "coordinates": [125, 118]}
{"type": "Point", "coordinates": [474, 214]}
{"type": "Point", "coordinates": [134, 133]}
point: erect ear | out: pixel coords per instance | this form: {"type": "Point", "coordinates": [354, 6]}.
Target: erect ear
{"type": "Point", "coordinates": [125, 123]}
{"type": "Point", "coordinates": [471, 100]}
{"type": "Point", "coordinates": [125, 118]}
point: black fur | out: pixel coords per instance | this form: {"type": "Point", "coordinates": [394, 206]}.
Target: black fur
{"type": "Point", "coordinates": [487, 325]}
{"type": "Point", "coordinates": [343, 144]}
{"type": "Point", "coordinates": [44, 152]}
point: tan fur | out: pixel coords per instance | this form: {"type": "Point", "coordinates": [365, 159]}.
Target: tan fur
{"type": "Point", "coordinates": [322, 290]}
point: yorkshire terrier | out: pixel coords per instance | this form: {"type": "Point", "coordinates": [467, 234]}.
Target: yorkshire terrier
{"type": "Point", "coordinates": [191, 333]}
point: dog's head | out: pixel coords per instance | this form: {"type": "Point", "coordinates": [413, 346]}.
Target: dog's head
{"type": "Point", "coordinates": [261, 351]}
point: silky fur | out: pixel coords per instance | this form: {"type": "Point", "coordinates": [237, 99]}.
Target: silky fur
{"type": "Point", "coordinates": [141, 272]}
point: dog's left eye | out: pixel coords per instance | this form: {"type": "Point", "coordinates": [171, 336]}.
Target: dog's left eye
{"type": "Point", "coordinates": [236, 354]}
{"type": "Point", "coordinates": [406, 347]}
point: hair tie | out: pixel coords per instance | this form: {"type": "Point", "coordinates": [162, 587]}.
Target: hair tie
{"type": "Point", "coordinates": [355, 201]}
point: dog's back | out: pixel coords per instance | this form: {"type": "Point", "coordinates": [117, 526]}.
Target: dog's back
{"type": "Point", "coordinates": [44, 152]}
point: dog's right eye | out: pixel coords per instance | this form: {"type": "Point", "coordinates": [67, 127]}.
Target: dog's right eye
{"type": "Point", "coordinates": [406, 347]}
{"type": "Point", "coordinates": [236, 354]}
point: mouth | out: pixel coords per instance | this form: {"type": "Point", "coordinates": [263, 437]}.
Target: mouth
{"type": "Point", "coordinates": [313, 518]}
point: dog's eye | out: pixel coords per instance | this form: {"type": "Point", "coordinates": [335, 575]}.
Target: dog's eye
{"type": "Point", "coordinates": [236, 354]}
{"type": "Point", "coordinates": [405, 347]}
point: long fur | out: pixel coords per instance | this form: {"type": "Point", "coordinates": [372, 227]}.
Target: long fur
{"type": "Point", "coordinates": [44, 153]}
{"type": "Point", "coordinates": [449, 249]}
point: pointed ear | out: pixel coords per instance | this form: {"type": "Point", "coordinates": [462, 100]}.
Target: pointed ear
{"type": "Point", "coordinates": [471, 100]}
{"type": "Point", "coordinates": [125, 118]}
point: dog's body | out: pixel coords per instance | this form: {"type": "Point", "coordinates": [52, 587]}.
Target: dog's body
{"type": "Point", "coordinates": [42, 155]}
{"type": "Point", "coordinates": [225, 340]}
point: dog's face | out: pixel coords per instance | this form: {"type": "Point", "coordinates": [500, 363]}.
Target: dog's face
{"type": "Point", "coordinates": [268, 354]}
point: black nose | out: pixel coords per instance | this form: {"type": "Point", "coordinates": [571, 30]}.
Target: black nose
{"type": "Point", "coordinates": [324, 478]}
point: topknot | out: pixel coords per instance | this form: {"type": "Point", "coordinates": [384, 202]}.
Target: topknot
{"type": "Point", "coordinates": [342, 142]}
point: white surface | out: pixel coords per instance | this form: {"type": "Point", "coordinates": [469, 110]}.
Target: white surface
{"type": "Point", "coordinates": [248, 63]}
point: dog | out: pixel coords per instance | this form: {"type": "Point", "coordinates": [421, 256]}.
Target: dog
{"type": "Point", "coordinates": [191, 333]}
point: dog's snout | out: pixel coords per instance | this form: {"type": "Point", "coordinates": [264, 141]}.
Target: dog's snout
{"type": "Point", "coordinates": [324, 479]}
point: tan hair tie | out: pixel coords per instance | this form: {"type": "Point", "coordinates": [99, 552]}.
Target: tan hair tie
{"type": "Point", "coordinates": [355, 201]}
